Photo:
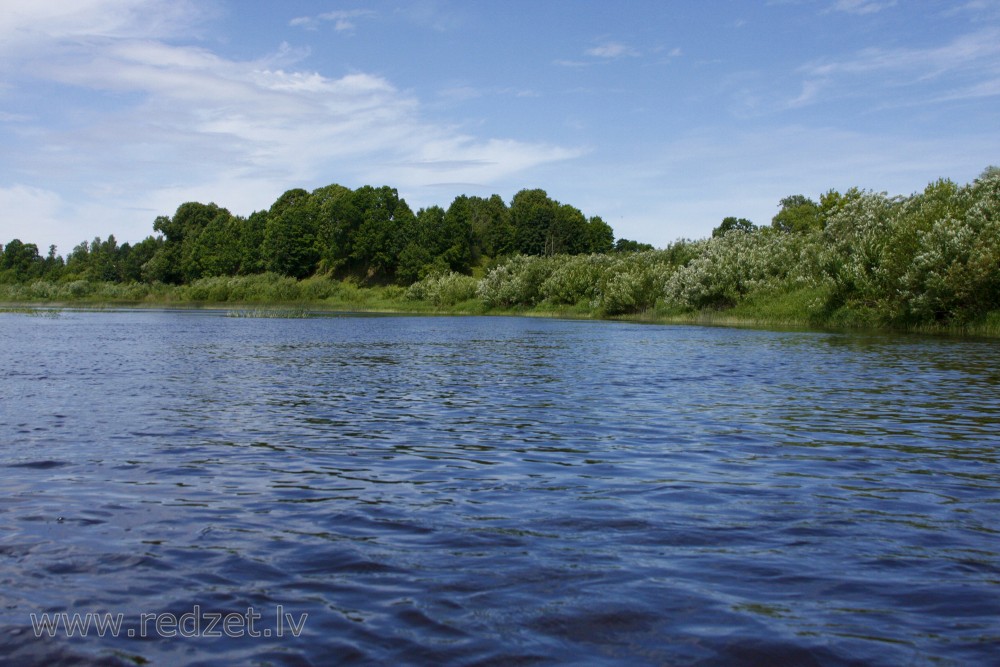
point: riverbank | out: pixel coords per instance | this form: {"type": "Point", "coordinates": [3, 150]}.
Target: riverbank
{"type": "Point", "coordinates": [255, 297]}
{"type": "Point", "coordinates": [929, 262]}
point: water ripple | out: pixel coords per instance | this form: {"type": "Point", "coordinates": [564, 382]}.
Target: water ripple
{"type": "Point", "coordinates": [500, 490]}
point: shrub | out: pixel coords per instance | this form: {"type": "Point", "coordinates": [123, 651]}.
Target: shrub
{"type": "Point", "coordinates": [516, 282]}
{"type": "Point", "coordinates": [740, 263]}
{"type": "Point", "coordinates": [633, 283]}
{"type": "Point", "coordinates": [445, 289]}
{"type": "Point", "coordinates": [575, 278]}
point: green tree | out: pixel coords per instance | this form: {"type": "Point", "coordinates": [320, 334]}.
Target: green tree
{"type": "Point", "coordinates": [289, 246]}
{"type": "Point", "coordinates": [165, 265]}
{"type": "Point", "coordinates": [104, 260]}
{"type": "Point", "coordinates": [731, 223]}
{"type": "Point", "coordinates": [798, 214]}
{"type": "Point", "coordinates": [532, 214]}
{"type": "Point", "coordinates": [20, 262]}
{"type": "Point", "coordinates": [599, 238]}
{"type": "Point", "coordinates": [379, 239]}
{"type": "Point", "coordinates": [54, 265]}
{"type": "Point", "coordinates": [215, 251]}
{"type": "Point", "coordinates": [181, 258]}
{"type": "Point", "coordinates": [78, 262]}
{"type": "Point", "coordinates": [415, 263]}
{"type": "Point", "coordinates": [337, 218]}
{"type": "Point", "coordinates": [567, 232]}
{"type": "Point", "coordinates": [628, 245]}
{"type": "Point", "coordinates": [455, 239]}
{"type": "Point", "coordinates": [422, 255]}
{"type": "Point", "coordinates": [251, 240]}
{"type": "Point", "coordinates": [137, 256]}
{"type": "Point", "coordinates": [492, 230]}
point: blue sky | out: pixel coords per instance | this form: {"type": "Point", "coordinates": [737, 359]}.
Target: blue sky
{"type": "Point", "coordinates": [660, 116]}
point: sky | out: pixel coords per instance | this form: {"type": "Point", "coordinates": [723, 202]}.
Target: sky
{"type": "Point", "coordinates": [660, 116]}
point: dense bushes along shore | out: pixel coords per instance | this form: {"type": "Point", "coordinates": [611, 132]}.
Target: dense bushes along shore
{"type": "Point", "coordinates": [854, 259]}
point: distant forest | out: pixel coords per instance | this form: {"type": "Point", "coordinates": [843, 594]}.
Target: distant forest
{"type": "Point", "coordinates": [369, 233]}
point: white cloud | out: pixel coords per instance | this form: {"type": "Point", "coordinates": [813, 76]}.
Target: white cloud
{"type": "Point", "coordinates": [307, 22]}
{"type": "Point", "coordinates": [981, 8]}
{"type": "Point", "coordinates": [36, 24]}
{"type": "Point", "coordinates": [606, 51]}
{"type": "Point", "coordinates": [970, 50]}
{"type": "Point", "coordinates": [344, 20]}
{"type": "Point", "coordinates": [612, 50]}
{"type": "Point", "coordinates": [153, 124]}
{"type": "Point", "coordinates": [30, 208]}
{"type": "Point", "coordinates": [434, 14]}
{"type": "Point", "coordinates": [862, 7]}
{"type": "Point", "coordinates": [810, 91]}
{"type": "Point", "coordinates": [965, 68]}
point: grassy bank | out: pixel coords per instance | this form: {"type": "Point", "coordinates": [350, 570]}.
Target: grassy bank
{"type": "Point", "coordinates": [269, 296]}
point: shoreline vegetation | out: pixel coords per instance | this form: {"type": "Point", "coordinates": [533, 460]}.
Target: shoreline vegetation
{"type": "Point", "coordinates": [350, 299]}
{"type": "Point", "coordinates": [929, 262]}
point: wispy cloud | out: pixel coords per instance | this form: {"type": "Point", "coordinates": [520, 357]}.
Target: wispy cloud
{"type": "Point", "coordinates": [343, 20]}
{"type": "Point", "coordinates": [970, 50]}
{"type": "Point", "coordinates": [981, 9]}
{"type": "Point", "coordinates": [30, 25]}
{"type": "Point", "coordinates": [862, 7]}
{"type": "Point", "coordinates": [612, 50]}
{"type": "Point", "coordinates": [810, 91]}
{"type": "Point", "coordinates": [434, 14]}
{"type": "Point", "coordinates": [969, 63]}
{"type": "Point", "coordinates": [604, 51]}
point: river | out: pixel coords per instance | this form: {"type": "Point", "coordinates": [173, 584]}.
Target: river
{"type": "Point", "coordinates": [488, 490]}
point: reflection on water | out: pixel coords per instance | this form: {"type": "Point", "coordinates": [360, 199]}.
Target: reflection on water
{"type": "Point", "coordinates": [499, 490]}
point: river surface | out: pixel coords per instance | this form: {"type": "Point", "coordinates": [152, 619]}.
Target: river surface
{"type": "Point", "coordinates": [459, 491]}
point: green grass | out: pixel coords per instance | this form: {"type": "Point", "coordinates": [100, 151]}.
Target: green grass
{"type": "Point", "coordinates": [272, 296]}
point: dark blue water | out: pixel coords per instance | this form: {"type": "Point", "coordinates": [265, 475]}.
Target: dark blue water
{"type": "Point", "coordinates": [495, 491]}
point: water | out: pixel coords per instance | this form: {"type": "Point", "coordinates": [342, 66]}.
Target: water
{"type": "Point", "coordinates": [495, 491]}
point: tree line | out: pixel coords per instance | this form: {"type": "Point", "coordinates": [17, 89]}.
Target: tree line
{"type": "Point", "coordinates": [369, 233]}
{"type": "Point", "coordinates": [857, 258]}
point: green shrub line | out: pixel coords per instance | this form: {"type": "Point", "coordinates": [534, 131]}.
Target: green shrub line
{"type": "Point", "coordinates": [858, 260]}
{"type": "Point", "coordinates": [450, 295]}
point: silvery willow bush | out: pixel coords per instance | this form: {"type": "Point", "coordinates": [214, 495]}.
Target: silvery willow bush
{"type": "Point", "coordinates": [444, 289]}
{"type": "Point", "coordinates": [611, 284]}
{"type": "Point", "coordinates": [729, 267]}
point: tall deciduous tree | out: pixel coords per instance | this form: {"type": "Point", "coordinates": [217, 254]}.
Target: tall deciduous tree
{"type": "Point", "coordinates": [491, 226]}
{"type": "Point", "coordinates": [600, 238]}
{"type": "Point", "coordinates": [385, 222]}
{"type": "Point", "coordinates": [289, 246]}
{"type": "Point", "coordinates": [567, 232]}
{"type": "Point", "coordinates": [20, 261]}
{"type": "Point", "coordinates": [532, 214]}
{"type": "Point", "coordinates": [336, 218]}
{"type": "Point", "coordinates": [798, 214]}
